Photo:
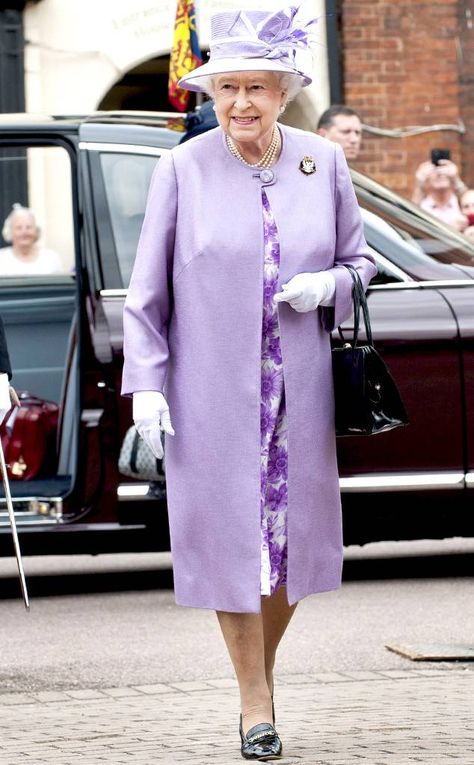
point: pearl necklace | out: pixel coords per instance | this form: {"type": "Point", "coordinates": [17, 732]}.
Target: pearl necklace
{"type": "Point", "coordinates": [268, 157]}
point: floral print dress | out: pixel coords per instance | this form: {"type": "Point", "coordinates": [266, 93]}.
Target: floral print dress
{"type": "Point", "coordinates": [273, 423]}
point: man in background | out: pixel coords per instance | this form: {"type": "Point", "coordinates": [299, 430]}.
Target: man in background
{"type": "Point", "coordinates": [342, 124]}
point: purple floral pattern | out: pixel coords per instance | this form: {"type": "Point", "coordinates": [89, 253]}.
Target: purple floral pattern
{"type": "Point", "coordinates": [273, 425]}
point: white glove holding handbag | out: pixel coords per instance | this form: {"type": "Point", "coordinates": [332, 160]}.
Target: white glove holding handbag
{"type": "Point", "coordinates": [151, 415]}
{"type": "Point", "coordinates": [305, 292]}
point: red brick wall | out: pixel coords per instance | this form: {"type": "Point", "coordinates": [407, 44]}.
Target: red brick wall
{"type": "Point", "coordinates": [400, 68]}
{"type": "Point", "coordinates": [466, 81]}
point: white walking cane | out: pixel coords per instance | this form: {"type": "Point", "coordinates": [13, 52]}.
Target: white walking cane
{"type": "Point", "coordinates": [11, 515]}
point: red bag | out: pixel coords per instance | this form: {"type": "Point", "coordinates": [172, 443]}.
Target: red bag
{"type": "Point", "coordinates": [30, 443]}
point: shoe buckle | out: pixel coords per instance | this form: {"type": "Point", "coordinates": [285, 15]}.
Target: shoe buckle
{"type": "Point", "coordinates": [259, 737]}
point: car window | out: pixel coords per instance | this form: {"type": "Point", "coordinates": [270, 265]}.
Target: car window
{"type": "Point", "coordinates": [36, 219]}
{"type": "Point", "coordinates": [127, 179]}
{"type": "Point", "coordinates": [411, 238]}
{"type": "Point", "coordinates": [405, 254]}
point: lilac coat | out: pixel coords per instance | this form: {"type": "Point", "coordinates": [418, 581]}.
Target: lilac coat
{"type": "Point", "coordinates": [193, 325]}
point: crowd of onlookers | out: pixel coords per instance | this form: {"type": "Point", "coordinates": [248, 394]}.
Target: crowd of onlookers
{"type": "Point", "coordinates": [438, 187]}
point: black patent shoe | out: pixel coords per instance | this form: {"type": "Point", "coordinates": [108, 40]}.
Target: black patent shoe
{"type": "Point", "coordinates": [262, 742]}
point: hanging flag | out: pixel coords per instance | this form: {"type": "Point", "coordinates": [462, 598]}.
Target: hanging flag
{"type": "Point", "coordinates": [185, 54]}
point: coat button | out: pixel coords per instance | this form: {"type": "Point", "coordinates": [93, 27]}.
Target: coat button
{"type": "Point", "coordinates": [266, 176]}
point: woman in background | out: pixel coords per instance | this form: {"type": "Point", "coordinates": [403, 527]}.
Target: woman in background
{"type": "Point", "coordinates": [25, 256]}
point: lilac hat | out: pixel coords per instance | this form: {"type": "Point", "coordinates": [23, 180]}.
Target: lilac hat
{"type": "Point", "coordinates": [257, 41]}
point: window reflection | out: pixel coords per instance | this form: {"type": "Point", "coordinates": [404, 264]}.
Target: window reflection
{"type": "Point", "coordinates": [416, 242]}
{"type": "Point", "coordinates": [127, 178]}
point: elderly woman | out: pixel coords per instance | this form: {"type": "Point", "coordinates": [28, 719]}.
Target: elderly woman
{"type": "Point", "coordinates": [238, 281]}
{"type": "Point", "coordinates": [25, 256]}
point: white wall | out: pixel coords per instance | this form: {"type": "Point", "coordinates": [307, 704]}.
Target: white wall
{"type": "Point", "coordinates": [77, 49]}
{"type": "Point", "coordinates": [49, 190]}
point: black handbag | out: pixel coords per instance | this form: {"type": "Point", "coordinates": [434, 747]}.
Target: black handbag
{"type": "Point", "coordinates": [367, 399]}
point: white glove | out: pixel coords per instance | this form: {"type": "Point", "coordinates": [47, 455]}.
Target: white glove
{"type": "Point", "coordinates": [151, 415]}
{"type": "Point", "coordinates": [5, 401]}
{"type": "Point", "coordinates": [305, 292]}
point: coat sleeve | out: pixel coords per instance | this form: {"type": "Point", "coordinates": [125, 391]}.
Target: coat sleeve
{"type": "Point", "coordinates": [5, 366]}
{"type": "Point", "coordinates": [149, 299]}
{"type": "Point", "coordinates": [351, 246]}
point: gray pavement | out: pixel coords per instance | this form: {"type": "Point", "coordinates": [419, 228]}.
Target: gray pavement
{"type": "Point", "coordinates": [110, 621]}
{"type": "Point", "coordinates": [107, 669]}
{"type": "Point", "coordinates": [393, 717]}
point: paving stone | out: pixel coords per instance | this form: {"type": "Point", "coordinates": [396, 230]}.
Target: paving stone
{"type": "Point", "coordinates": [296, 680]}
{"type": "Point", "coordinates": [225, 682]}
{"type": "Point", "coordinates": [398, 674]}
{"type": "Point", "coordinates": [435, 672]}
{"type": "Point", "coordinates": [329, 677]}
{"type": "Point", "coordinates": [155, 688]}
{"type": "Point", "coordinates": [85, 694]}
{"type": "Point", "coordinates": [50, 696]}
{"type": "Point", "coordinates": [118, 693]}
{"type": "Point", "coordinates": [364, 675]}
{"type": "Point", "coordinates": [16, 698]}
{"type": "Point", "coordinates": [190, 686]}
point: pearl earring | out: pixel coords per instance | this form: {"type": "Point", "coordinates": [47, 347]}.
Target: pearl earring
{"type": "Point", "coordinates": [282, 108]}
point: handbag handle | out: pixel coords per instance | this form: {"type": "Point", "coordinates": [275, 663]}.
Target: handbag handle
{"type": "Point", "coordinates": [359, 300]}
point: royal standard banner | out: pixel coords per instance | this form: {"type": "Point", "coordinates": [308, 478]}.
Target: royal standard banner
{"type": "Point", "coordinates": [185, 54]}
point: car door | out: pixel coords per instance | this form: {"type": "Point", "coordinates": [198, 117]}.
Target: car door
{"type": "Point", "coordinates": [39, 307]}
{"type": "Point", "coordinates": [418, 471]}
{"type": "Point", "coordinates": [416, 333]}
{"type": "Point", "coordinates": [119, 176]}
{"type": "Point", "coordinates": [461, 299]}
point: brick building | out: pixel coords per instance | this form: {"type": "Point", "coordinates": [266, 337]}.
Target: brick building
{"type": "Point", "coordinates": [409, 63]}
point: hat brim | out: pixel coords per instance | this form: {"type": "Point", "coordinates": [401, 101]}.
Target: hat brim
{"type": "Point", "coordinates": [194, 80]}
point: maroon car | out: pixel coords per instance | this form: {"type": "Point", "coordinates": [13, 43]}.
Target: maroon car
{"type": "Point", "coordinates": [87, 180]}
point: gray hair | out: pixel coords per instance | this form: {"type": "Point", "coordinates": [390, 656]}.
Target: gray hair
{"type": "Point", "coordinates": [291, 84]}
{"type": "Point", "coordinates": [7, 225]}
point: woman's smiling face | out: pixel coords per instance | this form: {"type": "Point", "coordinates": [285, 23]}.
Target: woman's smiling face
{"type": "Point", "coordinates": [24, 231]}
{"type": "Point", "coordinates": [247, 104]}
